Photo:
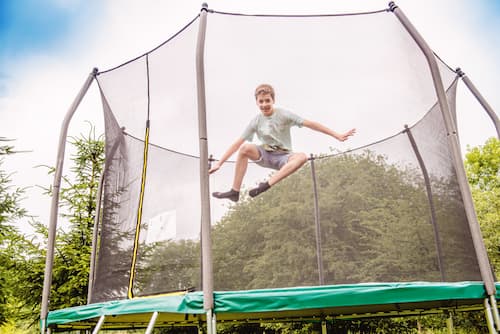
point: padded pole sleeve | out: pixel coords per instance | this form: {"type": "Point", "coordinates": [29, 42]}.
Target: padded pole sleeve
{"type": "Point", "coordinates": [317, 223]}
{"type": "Point", "coordinates": [432, 209]}
{"type": "Point", "coordinates": [206, 243]}
{"type": "Point", "coordinates": [95, 235]}
{"type": "Point", "coordinates": [480, 98]}
{"type": "Point", "coordinates": [49, 258]}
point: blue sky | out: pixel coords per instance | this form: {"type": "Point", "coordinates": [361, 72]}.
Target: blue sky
{"type": "Point", "coordinates": [47, 49]}
{"type": "Point", "coordinates": [30, 27]}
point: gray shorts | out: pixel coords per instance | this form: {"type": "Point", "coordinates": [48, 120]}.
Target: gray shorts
{"type": "Point", "coordinates": [274, 160]}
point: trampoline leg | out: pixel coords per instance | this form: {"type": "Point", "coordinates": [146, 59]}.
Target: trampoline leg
{"type": "Point", "coordinates": [152, 322]}
{"type": "Point", "coordinates": [489, 317]}
{"type": "Point", "coordinates": [42, 325]}
{"type": "Point", "coordinates": [211, 323]}
{"type": "Point", "coordinates": [494, 309]}
{"type": "Point", "coordinates": [214, 324]}
{"type": "Point", "coordinates": [449, 323]}
{"type": "Point", "coordinates": [99, 325]}
{"type": "Point", "coordinates": [323, 327]}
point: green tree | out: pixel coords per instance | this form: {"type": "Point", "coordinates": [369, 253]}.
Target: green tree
{"type": "Point", "coordinates": [78, 204]}
{"type": "Point", "coordinates": [10, 197]}
{"type": "Point", "coordinates": [375, 227]}
{"type": "Point", "coordinates": [10, 212]}
{"type": "Point", "coordinates": [74, 237]}
{"type": "Point", "coordinates": [172, 265]}
{"type": "Point", "coordinates": [27, 256]}
{"type": "Point", "coordinates": [482, 165]}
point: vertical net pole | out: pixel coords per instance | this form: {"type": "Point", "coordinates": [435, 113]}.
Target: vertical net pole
{"type": "Point", "coordinates": [319, 255]}
{"type": "Point", "coordinates": [207, 272]}
{"type": "Point", "coordinates": [49, 258]}
{"type": "Point", "coordinates": [97, 221]}
{"type": "Point", "coordinates": [480, 98]}
{"type": "Point", "coordinates": [432, 209]}
{"type": "Point", "coordinates": [95, 235]}
{"type": "Point", "coordinates": [482, 257]}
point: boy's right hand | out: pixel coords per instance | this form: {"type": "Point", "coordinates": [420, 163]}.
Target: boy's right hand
{"type": "Point", "coordinates": [214, 168]}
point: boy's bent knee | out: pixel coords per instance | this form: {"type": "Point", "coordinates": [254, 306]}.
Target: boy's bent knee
{"type": "Point", "coordinates": [249, 150]}
{"type": "Point", "coordinates": [300, 157]}
{"type": "Point", "coordinates": [297, 159]}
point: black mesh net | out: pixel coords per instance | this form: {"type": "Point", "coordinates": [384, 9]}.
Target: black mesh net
{"type": "Point", "coordinates": [389, 210]}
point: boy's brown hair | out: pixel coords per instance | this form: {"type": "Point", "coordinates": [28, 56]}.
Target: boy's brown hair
{"type": "Point", "coordinates": [264, 89]}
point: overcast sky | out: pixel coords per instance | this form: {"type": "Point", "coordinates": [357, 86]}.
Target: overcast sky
{"type": "Point", "coordinates": [48, 48]}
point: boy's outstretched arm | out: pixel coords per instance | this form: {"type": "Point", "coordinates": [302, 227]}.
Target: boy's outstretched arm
{"type": "Point", "coordinates": [321, 128]}
{"type": "Point", "coordinates": [230, 151]}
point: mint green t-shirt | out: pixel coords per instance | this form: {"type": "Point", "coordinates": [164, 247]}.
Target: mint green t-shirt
{"type": "Point", "coordinates": [274, 130]}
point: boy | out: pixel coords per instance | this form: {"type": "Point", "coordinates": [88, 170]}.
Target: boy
{"type": "Point", "coordinates": [272, 127]}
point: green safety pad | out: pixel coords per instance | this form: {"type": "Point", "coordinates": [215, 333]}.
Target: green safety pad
{"type": "Point", "coordinates": [281, 303]}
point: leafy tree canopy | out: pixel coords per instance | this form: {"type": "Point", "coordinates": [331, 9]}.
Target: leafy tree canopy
{"type": "Point", "coordinates": [482, 165]}
{"type": "Point", "coordinates": [10, 212]}
{"type": "Point", "coordinates": [72, 249]}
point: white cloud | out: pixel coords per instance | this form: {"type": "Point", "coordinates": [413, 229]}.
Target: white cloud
{"type": "Point", "coordinates": [41, 88]}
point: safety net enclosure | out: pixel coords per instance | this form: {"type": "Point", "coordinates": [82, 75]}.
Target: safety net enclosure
{"type": "Point", "coordinates": [377, 217]}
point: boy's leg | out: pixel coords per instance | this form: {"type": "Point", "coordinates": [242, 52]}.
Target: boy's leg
{"type": "Point", "coordinates": [295, 161]}
{"type": "Point", "coordinates": [247, 151]}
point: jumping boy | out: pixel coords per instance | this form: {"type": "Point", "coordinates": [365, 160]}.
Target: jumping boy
{"type": "Point", "coordinates": [272, 126]}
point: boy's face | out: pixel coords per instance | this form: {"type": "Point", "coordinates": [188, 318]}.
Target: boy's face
{"type": "Point", "coordinates": [265, 103]}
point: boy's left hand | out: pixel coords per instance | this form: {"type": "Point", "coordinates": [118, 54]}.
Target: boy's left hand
{"type": "Point", "coordinates": [345, 136]}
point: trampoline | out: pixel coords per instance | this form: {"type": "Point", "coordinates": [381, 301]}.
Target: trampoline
{"type": "Point", "coordinates": [321, 303]}
{"type": "Point", "coordinates": [382, 225]}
